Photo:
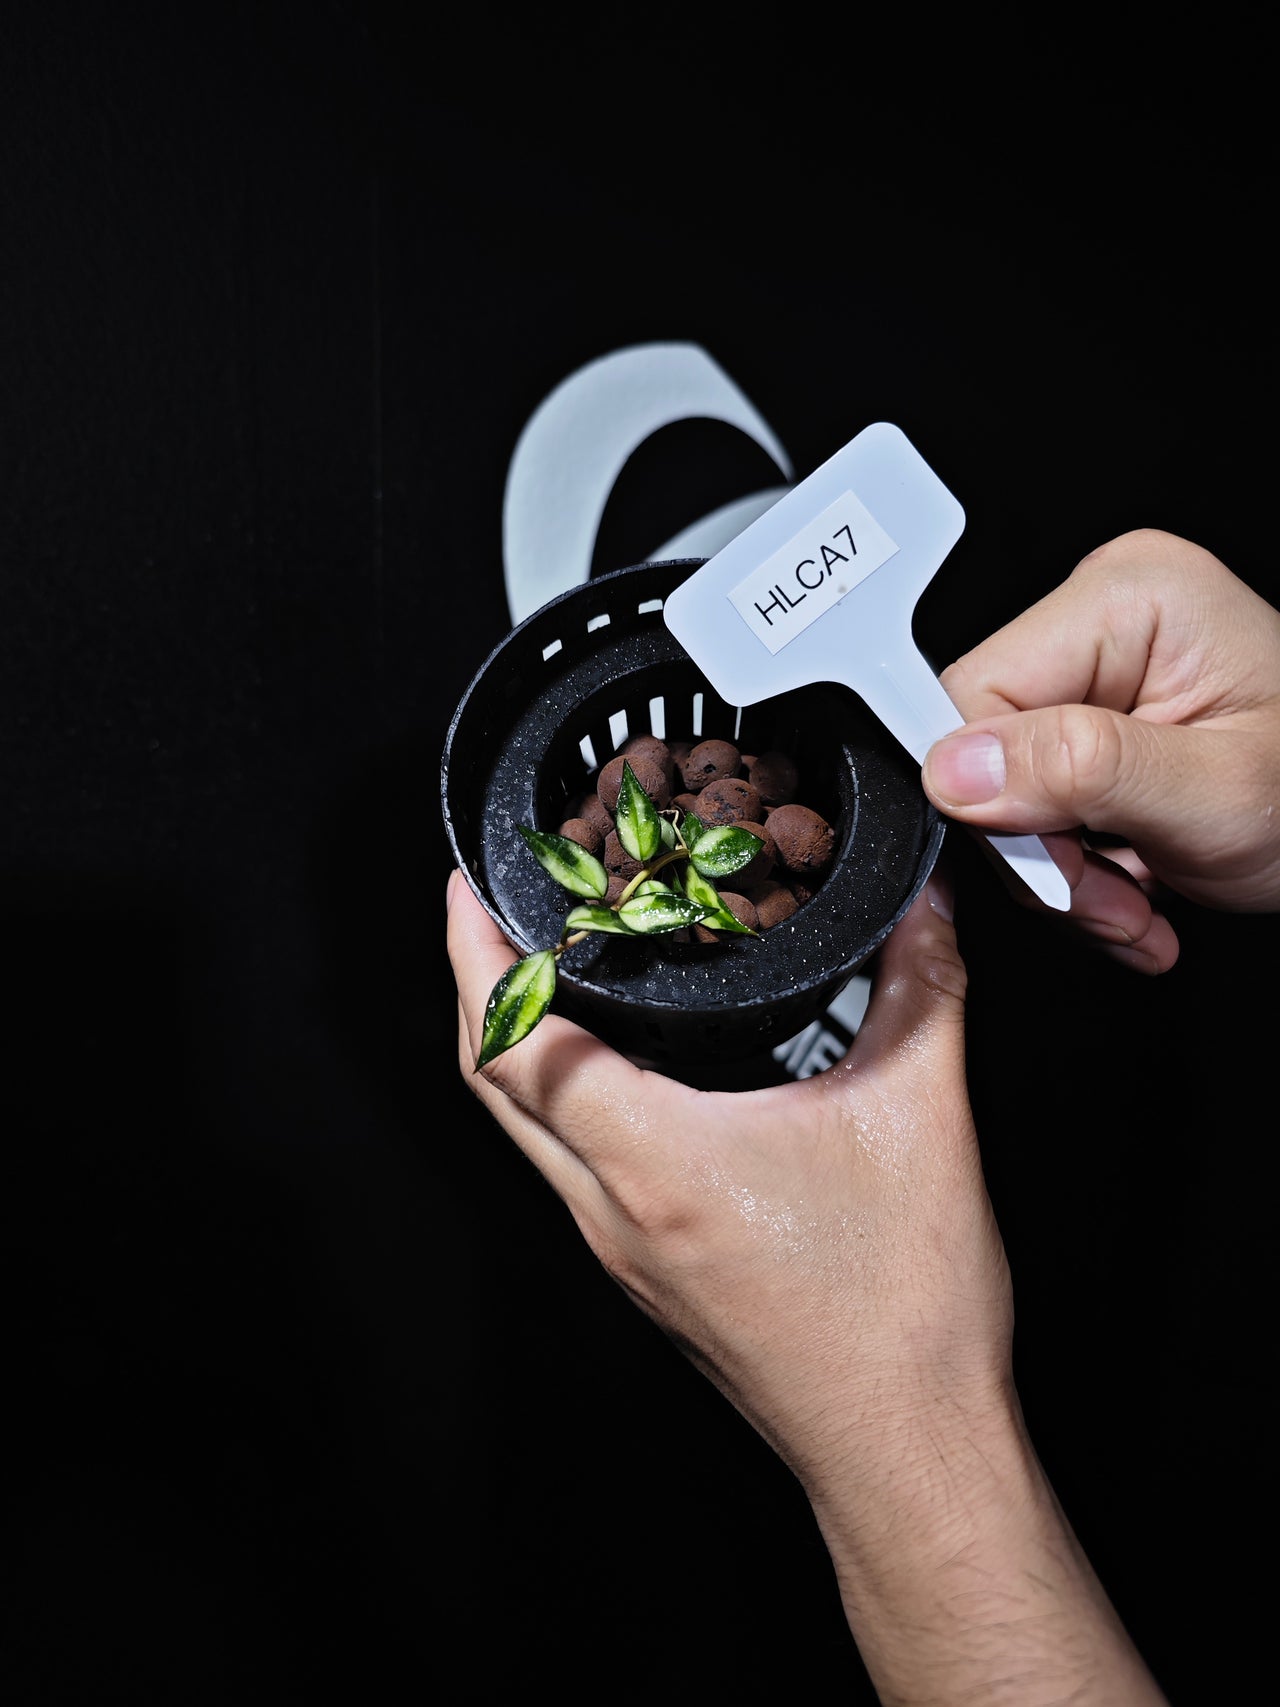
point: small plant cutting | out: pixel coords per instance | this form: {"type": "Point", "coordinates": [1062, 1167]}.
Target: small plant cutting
{"type": "Point", "coordinates": [681, 860]}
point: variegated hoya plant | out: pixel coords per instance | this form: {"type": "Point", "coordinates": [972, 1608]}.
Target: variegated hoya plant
{"type": "Point", "coordinates": [681, 860]}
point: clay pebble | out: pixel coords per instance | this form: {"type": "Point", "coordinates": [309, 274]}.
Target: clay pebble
{"type": "Point", "coordinates": [709, 761]}
{"type": "Point", "coordinates": [804, 839]}
{"type": "Point", "coordinates": [774, 776]}
{"type": "Point", "coordinates": [651, 747]}
{"type": "Point", "coordinates": [584, 832]}
{"type": "Point", "coordinates": [773, 902]}
{"type": "Point", "coordinates": [729, 800]}
{"type": "Point", "coordinates": [651, 776]}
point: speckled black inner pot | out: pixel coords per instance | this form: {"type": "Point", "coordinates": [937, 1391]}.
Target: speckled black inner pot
{"type": "Point", "coordinates": [553, 703]}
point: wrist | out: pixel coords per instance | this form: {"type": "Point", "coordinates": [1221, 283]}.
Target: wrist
{"type": "Point", "coordinates": [960, 1573]}
{"type": "Point", "coordinates": [926, 1480]}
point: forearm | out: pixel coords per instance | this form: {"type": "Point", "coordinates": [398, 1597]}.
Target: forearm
{"type": "Point", "coordinates": [963, 1582]}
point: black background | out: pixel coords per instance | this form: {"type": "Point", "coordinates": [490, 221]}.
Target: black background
{"type": "Point", "coordinates": [314, 1391]}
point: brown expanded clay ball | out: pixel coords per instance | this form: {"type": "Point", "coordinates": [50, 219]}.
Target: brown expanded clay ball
{"type": "Point", "coordinates": [730, 800]}
{"type": "Point", "coordinates": [596, 813]}
{"type": "Point", "coordinates": [591, 807]}
{"type": "Point", "coordinates": [652, 747]}
{"type": "Point", "coordinates": [679, 751]}
{"type": "Point", "coordinates": [773, 902]}
{"type": "Point", "coordinates": [584, 832]}
{"type": "Point", "coordinates": [774, 777]}
{"type": "Point", "coordinates": [617, 860]}
{"type": "Point", "coordinates": [651, 776]}
{"type": "Point", "coordinates": [708, 762]}
{"type": "Point", "coordinates": [804, 839]}
{"type": "Point", "coordinates": [762, 865]}
{"type": "Point", "coordinates": [613, 892]}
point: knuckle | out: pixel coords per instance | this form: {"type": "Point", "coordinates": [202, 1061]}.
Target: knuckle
{"type": "Point", "coordinates": [1131, 552]}
{"type": "Point", "coordinates": [942, 975]}
{"type": "Point", "coordinates": [949, 977]}
{"type": "Point", "coordinates": [935, 978]}
{"type": "Point", "coordinates": [956, 678]}
{"type": "Point", "coordinates": [1077, 753]}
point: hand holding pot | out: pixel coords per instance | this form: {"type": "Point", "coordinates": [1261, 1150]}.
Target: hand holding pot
{"type": "Point", "coordinates": [825, 1252]}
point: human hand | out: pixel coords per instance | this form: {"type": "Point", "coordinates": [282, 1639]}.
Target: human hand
{"type": "Point", "coordinates": [1139, 699]}
{"type": "Point", "coordinates": [824, 1250]}
{"type": "Point", "coordinates": [826, 1253]}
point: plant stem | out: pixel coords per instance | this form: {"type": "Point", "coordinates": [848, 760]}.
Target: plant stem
{"type": "Point", "coordinates": [641, 876]}
{"type": "Point", "coordinates": [648, 871]}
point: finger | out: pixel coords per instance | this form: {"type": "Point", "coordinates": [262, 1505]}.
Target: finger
{"type": "Point", "coordinates": [1119, 630]}
{"type": "Point", "coordinates": [1110, 900]}
{"type": "Point", "coordinates": [549, 1090]}
{"type": "Point", "coordinates": [918, 987]}
{"type": "Point", "coordinates": [1070, 765]}
{"type": "Point", "coordinates": [1111, 907]}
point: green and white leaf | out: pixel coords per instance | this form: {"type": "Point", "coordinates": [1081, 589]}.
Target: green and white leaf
{"type": "Point", "coordinates": [516, 1003]}
{"type": "Point", "coordinates": [691, 827]}
{"type": "Point", "coordinates": [669, 838]}
{"type": "Point", "coordinates": [719, 918]}
{"type": "Point", "coordinates": [728, 922]}
{"type": "Point", "coordinates": [724, 849]}
{"type": "Point", "coordinates": [701, 889]}
{"type": "Point", "coordinates": [576, 870]}
{"type": "Point", "coordinates": [652, 886]}
{"type": "Point", "coordinates": [595, 918]}
{"type": "Point", "coordinates": [650, 915]}
{"type": "Point", "coordinates": [636, 818]}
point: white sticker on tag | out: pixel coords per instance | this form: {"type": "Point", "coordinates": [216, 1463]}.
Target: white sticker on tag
{"type": "Point", "coordinates": [812, 572]}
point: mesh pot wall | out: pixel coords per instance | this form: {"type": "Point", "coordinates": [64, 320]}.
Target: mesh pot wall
{"type": "Point", "coordinates": [546, 711]}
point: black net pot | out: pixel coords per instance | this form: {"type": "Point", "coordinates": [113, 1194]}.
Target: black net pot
{"type": "Point", "coordinates": [555, 701]}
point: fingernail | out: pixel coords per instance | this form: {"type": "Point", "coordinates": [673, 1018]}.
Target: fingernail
{"type": "Point", "coordinates": [1133, 957]}
{"type": "Point", "coordinates": [1118, 944]}
{"type": "Point", "coordinates": [965, 770]}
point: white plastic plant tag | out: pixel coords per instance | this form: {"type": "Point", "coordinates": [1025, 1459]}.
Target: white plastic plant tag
{"type": "Point", "coordinates": [823, 587]}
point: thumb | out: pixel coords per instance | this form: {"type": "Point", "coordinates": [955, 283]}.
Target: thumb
{"type": "Point", "coordinates": [914, 1023]}
{"type": "Point", "coordinates": [1161, 788]}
